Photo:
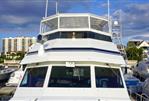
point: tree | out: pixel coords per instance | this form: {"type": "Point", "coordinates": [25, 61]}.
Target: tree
{"type": "Point", "coordinates": [134, 53]}
{"type": "Point", "coordinates": [20, 55]}
{"type": "Point", "coordinates": [2, 57]}
{"type": "Point", "coordinates": [12, 56]}
{"type": "Point", "coordinates": [1, 60]}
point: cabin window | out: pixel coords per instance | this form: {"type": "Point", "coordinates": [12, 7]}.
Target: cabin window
{"type": "Point", "coordinates": [76, 35]}
{"type": "Point", "coordinates": [70, 77]}
{"type": "Point", "coordinates": [108, 78]}
{"type": "Point", "coordinates": [34, 77]}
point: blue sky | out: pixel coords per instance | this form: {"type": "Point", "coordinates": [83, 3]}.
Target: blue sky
{"type": "Point", "coordinates": [22, 17]}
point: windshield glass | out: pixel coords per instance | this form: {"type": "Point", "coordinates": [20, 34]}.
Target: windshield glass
{"type": "Point", "coordinates": [70, 77]}
{"type": "Point", "coordinates": [108, 78]}
{"type": "Point", "coordinates": [77, 35]}
{"type": "Point", "coordinates": [34, 77]}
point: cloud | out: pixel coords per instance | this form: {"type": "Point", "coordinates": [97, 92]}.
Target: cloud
{"type": "Point", "coordinates": [144, 37]}
{"type": "Point", "coordinates": [11, 19]}
{"type": "Point", "coordinates": [25, 12]}
{"type": "Point", "coordinates": [18, 30]}
{"type": "Point", "coordinates": [136, 20]}
{"type": "Point", "coordinates": [23, 16]}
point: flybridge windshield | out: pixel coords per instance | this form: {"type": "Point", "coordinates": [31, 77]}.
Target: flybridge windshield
{"type": "Point", "coordinates": [74, 22]}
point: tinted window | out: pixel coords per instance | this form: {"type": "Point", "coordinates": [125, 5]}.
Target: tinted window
{"type": "Point", "coordinates": [34, 77]}
{"type": "Point", "coordinates": [70, 77]}
{"type": "Point", "coordinates": [108, 78]}
{"type": "Point", "coordinates": [79, 35]}
{"type": "Point", "coordinates": [53, 36]}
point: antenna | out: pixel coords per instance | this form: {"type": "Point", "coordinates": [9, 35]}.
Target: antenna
{"type": "Point", "coordinates": [57, 7]}
{"type": "Point", "coordinates": [46, 9]}
{"type": "Point", "coordinates": [109, 22]}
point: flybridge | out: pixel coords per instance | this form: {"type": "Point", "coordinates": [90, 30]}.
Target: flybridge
{"type": "Point", "coordinates": [74, 22]}
{"type": "Point", "coordinates": [57, 12]}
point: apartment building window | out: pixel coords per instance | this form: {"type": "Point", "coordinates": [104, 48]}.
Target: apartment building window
{"type": "Point", "coordinates": [23, 45]}
{"type": "Point", "coordinates": [9, 45]}
{"type": "Point", "coordinates": [3, 45]}
{"type": "Point", "coordinates": [15, 45]}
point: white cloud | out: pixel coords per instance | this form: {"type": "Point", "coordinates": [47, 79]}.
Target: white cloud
{"type": "Point", "coordinates": [140, 6]}
{"type": "Point", "coordinates": [136, 20]}
{"type": "Point", "coordinates": [30, 28]}
{"type": "Point", "coordinates": [145, 35]}
{"type": "Point", "coordinates": [11, 19]}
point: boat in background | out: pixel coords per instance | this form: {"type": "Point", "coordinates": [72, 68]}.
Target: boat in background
{"type": "Point", "coordinates": [145, 88]}
{"type": "Point", "coordinates": [5, 73]}
{"type": "Point", "coordinates": [15, 78]}
{"type": "Point", "coordinates": [133, 84]}
{"type": "Point", "coordinates": [141, 70]}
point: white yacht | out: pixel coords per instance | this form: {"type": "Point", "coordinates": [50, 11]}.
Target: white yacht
{"type": "Point", "coordinates": [75, 60]}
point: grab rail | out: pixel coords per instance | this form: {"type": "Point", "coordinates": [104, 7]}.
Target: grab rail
{"type": "Point", "coordinates": [139, 97]}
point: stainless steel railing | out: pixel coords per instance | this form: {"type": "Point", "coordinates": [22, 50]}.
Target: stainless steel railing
{"type": "Point", "coordinates": [139, 97]}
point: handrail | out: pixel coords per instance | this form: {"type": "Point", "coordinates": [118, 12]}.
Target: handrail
{"type": "Point", "coordinates": [140, 97]}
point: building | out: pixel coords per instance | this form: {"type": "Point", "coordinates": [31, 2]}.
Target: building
{"type": "Point", "coordinates": [144, 45]}
{"type": "Point", "coordinates": [12, 63]}
{"type": "Point", "coordinates": [141, 44]}
{"type": "Point", "coordinates": [17, 44]}
{"type": "Point", "coordinates": [136, 42]}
